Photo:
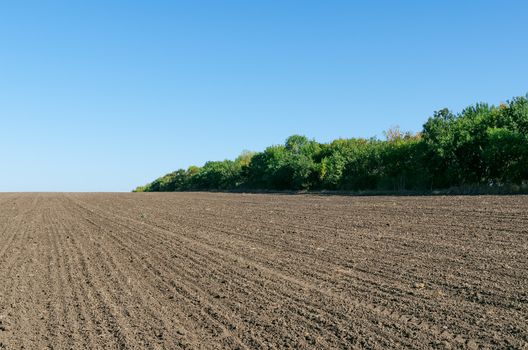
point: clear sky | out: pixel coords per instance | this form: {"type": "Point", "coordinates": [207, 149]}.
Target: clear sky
{"type": "Point", "coordinates": [108, 95]}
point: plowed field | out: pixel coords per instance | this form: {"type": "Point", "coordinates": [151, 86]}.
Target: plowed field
{"type": "Point", "coordinates": [198, 270]}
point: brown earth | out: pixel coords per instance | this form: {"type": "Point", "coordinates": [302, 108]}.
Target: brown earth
{"type": "Point", "coordinates": [197, 270]}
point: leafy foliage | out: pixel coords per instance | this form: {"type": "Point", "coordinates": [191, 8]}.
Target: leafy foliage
{"type": "Point", "coordinates": [483, 145]}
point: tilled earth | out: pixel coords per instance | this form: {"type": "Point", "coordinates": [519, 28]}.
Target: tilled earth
{"type": "Point", "coordinates": [198, 270]}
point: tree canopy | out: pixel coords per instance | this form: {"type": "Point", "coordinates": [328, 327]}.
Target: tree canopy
{"type": "Point", "coordinates": [482, 145]}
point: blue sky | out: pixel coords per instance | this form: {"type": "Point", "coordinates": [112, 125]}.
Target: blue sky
{"type": "Point", "coordinates": [108, 95]}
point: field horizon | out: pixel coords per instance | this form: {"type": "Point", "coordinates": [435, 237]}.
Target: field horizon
{"type": "Point", "coordinates": [263, 175]}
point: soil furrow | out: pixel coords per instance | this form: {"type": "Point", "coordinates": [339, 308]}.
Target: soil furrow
{"type": "Point", "coordinates": [240, 271]}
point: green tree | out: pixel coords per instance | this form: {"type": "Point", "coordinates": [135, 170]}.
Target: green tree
{"type": "Point", "coordinates": [482, 145]}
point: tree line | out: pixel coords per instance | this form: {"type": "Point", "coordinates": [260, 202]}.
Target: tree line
{"type": "Point", "coordinates": [483, 145]}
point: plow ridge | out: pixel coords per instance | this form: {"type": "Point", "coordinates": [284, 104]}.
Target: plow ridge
{"type": "Point", "coordinates": [216, 271]}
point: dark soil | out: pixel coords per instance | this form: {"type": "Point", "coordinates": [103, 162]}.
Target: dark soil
{"type": "Point", "coordinates": [201, 270]}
